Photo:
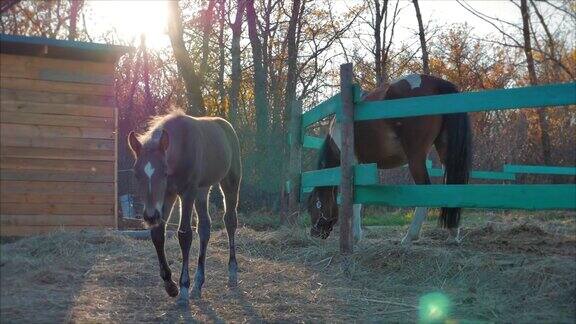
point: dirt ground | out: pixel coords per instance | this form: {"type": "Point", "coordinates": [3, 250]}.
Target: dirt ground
{"type": "Point", "coordinates": [509, 269]}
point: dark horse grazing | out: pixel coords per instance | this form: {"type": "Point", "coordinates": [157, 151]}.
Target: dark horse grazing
{"type": "Point", "coordinates": [185, 156]}
{"type": "Point", "coordinates": [394, 142]}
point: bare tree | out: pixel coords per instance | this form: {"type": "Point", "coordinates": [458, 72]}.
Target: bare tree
{"type": "Point", "coordinates": [221, 57]}
{"type": "Point", "coordinates": [75, 8]}
{"type": "Point", "coordinates": [7, 4]}
{"type": "Point", "coordinates": [260, 78]}
{"type": "Point", "coordinates": [191, 80]}
{"type": "Point", "coordinates": [236, 77]}
{"type": "Point", "coordinates": [291, 40]}
{"type": "Point", "coordinates": [542, 119]}
{"type": "Point", "coordinates": [149, 104]}
{"type": "Point", "coordinates": [383, 20]}
{"type": "Point", "coordinates": [292, 110]}
{"type": "Point", "coordinates": [425, 67]}
{"type": "Point", "coordinates": [207, 19]}
{"type": "Point", "coordinates": [526, 45]}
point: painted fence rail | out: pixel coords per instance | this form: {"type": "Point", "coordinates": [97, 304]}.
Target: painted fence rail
{"type": "Point", "coordinates": [539, 169]}
{"type": "Point", "coordinates": [488, 100]}
{"type": "Point", "coordinates": [534, 196]}
{"type": "Point", "coordinates": [367, 174]}
{"type": "Point", "coordinates": [367, 190]}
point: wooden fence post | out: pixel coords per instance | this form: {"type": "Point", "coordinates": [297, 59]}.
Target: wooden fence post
{"type": "Point", "coordinates": [346, 158]}
{"type": "Point", "coordinates": [295, 163]}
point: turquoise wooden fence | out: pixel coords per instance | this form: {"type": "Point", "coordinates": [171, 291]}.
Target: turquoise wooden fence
{"type": "Point", "coordinates": [368, 190]}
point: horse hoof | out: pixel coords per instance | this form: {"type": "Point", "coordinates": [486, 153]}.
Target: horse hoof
{"type": "Point", "coordinates": [196, 294]}
{"type": "Point", "coordinates": [406, 242]}
{"type": "Point", "coordinates": [183, 298]}
{"type": "Point", "coordinates": [453, 242]}
{"type": "Point", "coordinates": [171, 288]}
{"type": "Point", "coordinates": [232, 281]}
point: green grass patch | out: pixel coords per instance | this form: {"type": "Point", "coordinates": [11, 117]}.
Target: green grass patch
{"type": "Point", "coordinates": [395, 218]}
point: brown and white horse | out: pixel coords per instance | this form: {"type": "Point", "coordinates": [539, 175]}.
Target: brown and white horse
{"type": "Point", "coordinates": [394, 142]}
{"type": "Point", "coordinates": [185, 156]}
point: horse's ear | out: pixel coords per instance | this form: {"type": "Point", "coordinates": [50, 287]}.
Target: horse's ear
{"type": "Point", "coordinates": [134, 143]}
{"type": "Point", "coordinates": [164, 141]}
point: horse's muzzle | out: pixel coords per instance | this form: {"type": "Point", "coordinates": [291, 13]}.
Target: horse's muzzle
{"type": "Point", "coordinates": [319, 233]}
{"type": "Point", "coordinates": [153, 220]}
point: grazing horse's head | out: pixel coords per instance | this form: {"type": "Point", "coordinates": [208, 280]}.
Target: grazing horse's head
{"type": "Point", "coordinates": [151, 172]}
{"type": "Point", "coordinates": [323, 211]}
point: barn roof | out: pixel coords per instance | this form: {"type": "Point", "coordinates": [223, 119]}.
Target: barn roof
{"type": "Point", "coordinates": [63, 49]}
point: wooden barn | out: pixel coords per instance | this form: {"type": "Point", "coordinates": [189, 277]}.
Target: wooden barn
{"type": "Point", "coordinates": [58, 124]}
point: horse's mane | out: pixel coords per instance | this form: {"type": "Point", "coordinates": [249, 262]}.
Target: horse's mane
{"type": "Point", "coordinates": [155, 124]}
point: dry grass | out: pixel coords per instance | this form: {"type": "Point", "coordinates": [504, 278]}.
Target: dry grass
{"type": "Point", "coordinates": [506, 271]}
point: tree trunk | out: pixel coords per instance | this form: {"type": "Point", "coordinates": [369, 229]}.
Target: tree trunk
{"type": "Point", "coordinates": [291, 109]}
{"type": "Point", "coordinates": [185, 67]}
{"type": "Point", "coordinates": [541, 113]}
{"type": "Point", "coordinates": [74, 10]}
{"type": "Point", "coordinates": [550, 42]}
{"type": "Point", "coordinates": [260, 79]}
{"type": "Point", "coordinates": [425, 67]}
{"type": "Point", "coordinates": [7, 4]}
{"type": "Point", "coordinates": [378, 42]}
{"type": "Point", "coordinates": [207, 21]}
{"type": "Point", "coordinates": [149, 101]}
{"type": "Point", "coordinates": [236, 77]}
{"type": "Point", "coordinates": [222, 59]}
{"type": "Point", "coordinates": [261, 102]}
{"type": "Point", "coordinates": [292, 63]}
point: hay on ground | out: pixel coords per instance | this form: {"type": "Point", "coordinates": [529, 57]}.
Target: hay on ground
{"type": "Point", "coordinates": [504, 272]}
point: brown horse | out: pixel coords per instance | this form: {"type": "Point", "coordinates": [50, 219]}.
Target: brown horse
{"type": "Point", "coordinates": [185, 156]}
{"type": "Point", "coordinates": [391, 143]}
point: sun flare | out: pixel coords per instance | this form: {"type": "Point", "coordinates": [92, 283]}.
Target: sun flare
{"type": "Point", "coordinates": [133, 18]}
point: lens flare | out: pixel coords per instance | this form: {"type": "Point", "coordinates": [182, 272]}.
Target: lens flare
{"type": "Point", "coordinates": [434, 308]}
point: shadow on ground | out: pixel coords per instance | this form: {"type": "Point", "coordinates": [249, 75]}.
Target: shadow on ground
{"type": "Point", "coordinates": [508, 270]}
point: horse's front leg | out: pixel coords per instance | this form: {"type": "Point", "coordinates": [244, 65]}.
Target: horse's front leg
{"type": "Point", "coordinates": [185, 241]}
{"type": "Point", "coordinates": [413, 233]}
{"type": "Point", "coordinates": [204, 224]}
{"type": "Point", "coordinates": [158, 237]}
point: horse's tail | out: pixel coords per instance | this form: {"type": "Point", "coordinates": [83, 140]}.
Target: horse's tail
{"type": "Point", "coordinates": [457, 161]}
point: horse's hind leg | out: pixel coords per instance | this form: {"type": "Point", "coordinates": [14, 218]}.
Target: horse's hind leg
{"type": "Point", "coordinates": [204, 224]}
{"type": "Point", "coordinates": [420, 175]}
{"type": "Point", "coordinates": [230, 187]}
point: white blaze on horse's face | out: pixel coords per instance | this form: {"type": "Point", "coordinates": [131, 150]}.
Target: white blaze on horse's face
{"type": "Point", "coordinates": [152, 180]}
{"type": "Point", "coordinates": [149, 171]}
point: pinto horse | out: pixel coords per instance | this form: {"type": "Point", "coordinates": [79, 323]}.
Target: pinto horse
{"type": "Point", "coordinates": [185, 156]}
{"type": "Point", "coordinates": [393, 142]}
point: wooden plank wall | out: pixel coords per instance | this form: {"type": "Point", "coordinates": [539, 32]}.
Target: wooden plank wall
{"type": "Point", "coordinates": [57, 145]}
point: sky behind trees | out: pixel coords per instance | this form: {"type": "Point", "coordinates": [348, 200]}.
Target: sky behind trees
{"type": "Point", "coordinates": [251, 71]}
{"type": "Point", "coordinates": [131, 18]}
